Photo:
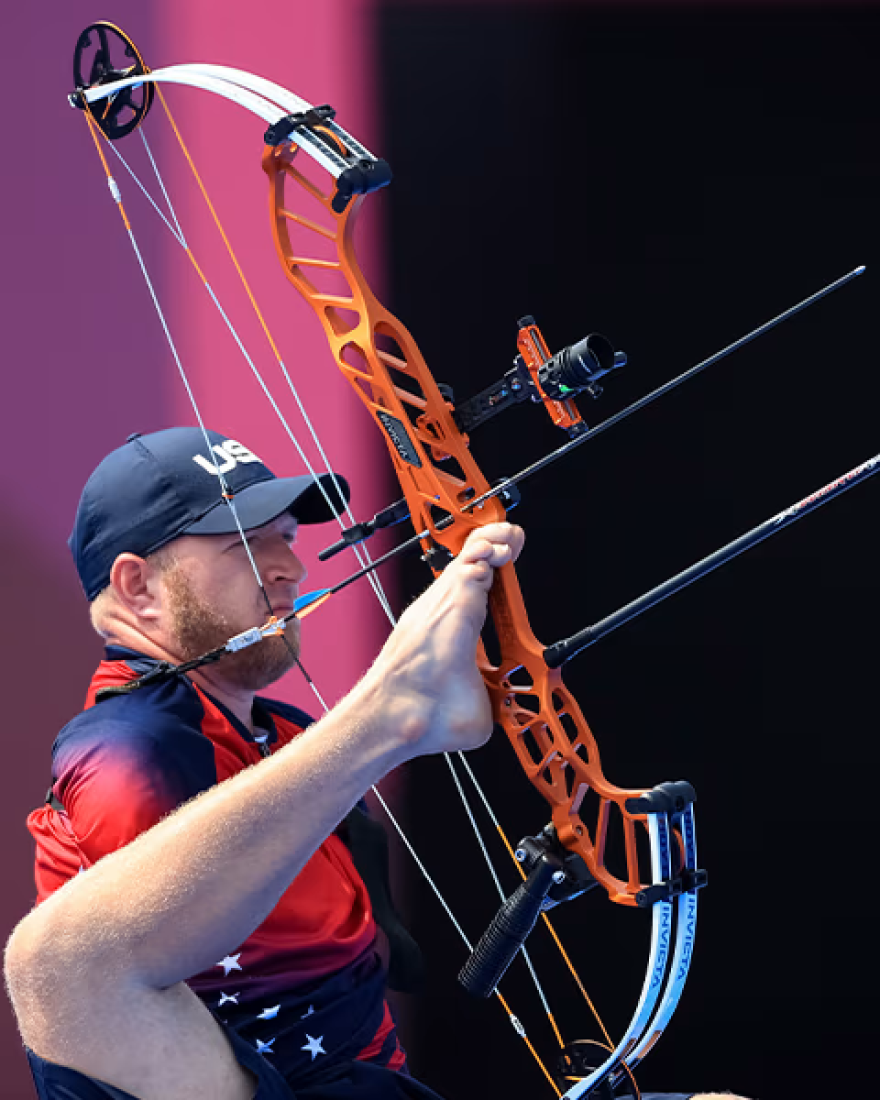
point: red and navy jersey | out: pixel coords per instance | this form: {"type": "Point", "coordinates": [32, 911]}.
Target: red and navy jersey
{"type": "Point", "coordinates": [307, 987]}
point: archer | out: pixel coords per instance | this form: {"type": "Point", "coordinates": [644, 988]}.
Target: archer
{"type": "Point", "coordinates": [207, 818]}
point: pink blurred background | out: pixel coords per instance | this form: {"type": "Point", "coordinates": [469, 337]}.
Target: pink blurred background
{"type": "Point", "coordinates": [86, 362]}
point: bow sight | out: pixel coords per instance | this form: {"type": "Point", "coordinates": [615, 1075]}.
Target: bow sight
{"type": "Point", "coordinates": [541, 378]}
{"type": "Point", "coordinates": [579, 367]}
{"type": "Point", "coordinates": [537, 377]}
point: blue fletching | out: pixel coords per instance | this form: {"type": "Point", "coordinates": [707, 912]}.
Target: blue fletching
{"type": "Point", "coordinates": [308, 598]}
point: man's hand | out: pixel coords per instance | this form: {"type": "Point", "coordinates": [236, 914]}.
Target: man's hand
{"type": "Point", "coordinates": [427, 670]}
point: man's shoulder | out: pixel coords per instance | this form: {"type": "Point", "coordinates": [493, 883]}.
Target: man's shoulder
{"type": "Point", "coordinates": [148, 714]}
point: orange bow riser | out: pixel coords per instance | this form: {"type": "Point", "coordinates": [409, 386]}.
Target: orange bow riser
{"type": "Point", "coordinates": [439, 476]}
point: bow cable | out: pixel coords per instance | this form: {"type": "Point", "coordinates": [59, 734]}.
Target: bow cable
{"type": "Point", "coordinates": [547, 922]}
{"type": "Point", "coordinates": [500, 889]}
{"type": "Point", "coordinates": [274, 626]}
{"type": "Point", "coordinates": [210, 85]}
{"type": "Point", "coordinates": [515, 1021]}
{"type": "Point", "coordinates": [227, 495]}
{"type": "Point", "coordinates": [202, 77]}
{"type": "Point", "coordinates": [266, 331]}
{"type": "Point", "coordinates": [294, 101]}
{"type": "Point", "coordinates": [620, 891]}
{"type": "Point", "coordinates": [363, 556]}
{"type": "Point", "coordinates": [179, 234]}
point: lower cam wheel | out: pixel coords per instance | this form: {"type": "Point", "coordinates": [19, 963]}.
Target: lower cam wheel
{"type": "Point", "coordinates": [579, 1059]}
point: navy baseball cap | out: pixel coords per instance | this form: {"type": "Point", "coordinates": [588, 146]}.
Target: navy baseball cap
{"type": "Point", "coordinates": [159, 486]}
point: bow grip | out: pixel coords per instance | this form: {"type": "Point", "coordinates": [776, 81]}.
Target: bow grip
{"type": "Point", "coordinates": [510, 926]}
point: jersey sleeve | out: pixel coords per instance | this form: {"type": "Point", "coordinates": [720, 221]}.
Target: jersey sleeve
{"type": "Point", "coordinates": [115, 778]}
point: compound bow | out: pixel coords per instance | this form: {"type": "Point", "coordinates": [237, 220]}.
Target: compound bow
{"type": "Point", "coordinates": [319, 176]}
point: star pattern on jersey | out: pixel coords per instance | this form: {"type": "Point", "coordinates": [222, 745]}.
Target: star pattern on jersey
{"type": "Point", "coordinates": [265, 1048]}
{"type": "Point", "coordinates": [313, 1046]}
{"type": "Point", "coordinates": [310, 1011]}
{"type": "Point", "coordinates": [230, 963]}
{"type": "Point", "coordinates": [228, 998]}
{"type": "Point", "coordinates": [269, 1013]}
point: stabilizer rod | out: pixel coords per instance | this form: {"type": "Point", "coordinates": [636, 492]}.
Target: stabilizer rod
{"type": "Point", "coordinates": [502, 940]}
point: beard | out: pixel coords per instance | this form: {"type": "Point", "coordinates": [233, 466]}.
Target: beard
{"type": "Point", "coordinates": [198, 628]}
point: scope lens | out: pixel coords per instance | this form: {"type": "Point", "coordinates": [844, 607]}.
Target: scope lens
{"type": "Point", "coordinates": [575, 368]}
{"type": "Point", "coordinates": [592, 357]}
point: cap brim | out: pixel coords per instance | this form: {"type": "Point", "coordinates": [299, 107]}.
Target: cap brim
{"type": "Point", "coordinates": [261, 503]}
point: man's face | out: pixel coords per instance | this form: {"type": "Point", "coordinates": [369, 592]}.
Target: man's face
{"type": "Point", "coordinates": [213, 594]}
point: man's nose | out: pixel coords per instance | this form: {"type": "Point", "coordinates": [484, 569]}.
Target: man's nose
{"type": "Point", "coordinates": [284, 565]}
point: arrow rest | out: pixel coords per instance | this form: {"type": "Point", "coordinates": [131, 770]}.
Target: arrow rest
{"type": "Point", "coordinates": [436, 557]}
{"type": "Point", "coordinates": [508, 495]}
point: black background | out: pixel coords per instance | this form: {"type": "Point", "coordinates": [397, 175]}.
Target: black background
{"type": "Point", "coordinates": [670, 176]}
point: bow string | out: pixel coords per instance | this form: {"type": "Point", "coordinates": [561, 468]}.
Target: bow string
{"type": "Point", "coordinates": [114, 109]}
{"type": "Point", "coordinates": [319, 177]}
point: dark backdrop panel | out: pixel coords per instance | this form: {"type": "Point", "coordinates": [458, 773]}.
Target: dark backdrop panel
{"type": "Point", "coordinates": [670, 176]}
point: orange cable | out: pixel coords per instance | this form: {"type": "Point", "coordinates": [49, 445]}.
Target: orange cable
{"type": "Point", "coordinates": [220, 229]}
{"type": "Point", "coordinates": [574, 974]}
{"type": "Point", "coordinates": [521, 1032]}
{"type": "Point", "coordinates": [277, 354]}
{"type": "Point", "coordinates": [94, 130]}
{"type": "Point", "coordinates": [93, 126]}
{"type": "Point", "coordinates": [632, 1078]}
{"type": "Point", "coordinates": [519, 867]}
{"type": "Point", "coordinates": [562, 952]}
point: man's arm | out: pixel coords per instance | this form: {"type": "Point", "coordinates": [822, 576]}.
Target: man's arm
{"type": "Point", "coordinates": [95, 974]}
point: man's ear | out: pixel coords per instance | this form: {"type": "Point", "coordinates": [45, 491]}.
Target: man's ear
{"type": "Point", "coordinates": [136, 583]}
